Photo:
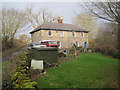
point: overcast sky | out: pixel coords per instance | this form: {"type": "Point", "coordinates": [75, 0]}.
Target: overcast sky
{"type": "Point", "coordinates": [65, 9]}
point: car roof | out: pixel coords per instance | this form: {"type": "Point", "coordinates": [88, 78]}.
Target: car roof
{"type": "Point", "coordinates": [46, 40]}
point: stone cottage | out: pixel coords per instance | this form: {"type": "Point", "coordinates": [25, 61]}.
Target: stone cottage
{"type": "Point", "coordinates": [65, 34]}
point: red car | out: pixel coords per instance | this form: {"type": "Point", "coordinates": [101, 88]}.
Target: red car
{"type": "Point", "coordinates": [49, 43]}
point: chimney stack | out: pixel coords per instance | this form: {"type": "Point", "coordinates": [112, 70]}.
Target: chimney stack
{"type": "Point", "coordinates": [60, 20]}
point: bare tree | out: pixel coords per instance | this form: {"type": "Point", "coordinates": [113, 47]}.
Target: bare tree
{"type": "Point", "coordinates": [87, 22]}
{"type": "Point", "coordinates": [107, 40]}
{"type": "Point", "coordinates": [105, 10]}
{"type": "Point", "coordinates": [11, 21]}
{"type": "Point", "coordinates": [38, 18]}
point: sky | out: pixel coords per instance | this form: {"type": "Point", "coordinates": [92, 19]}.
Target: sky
{"type": "Point", "coordinates": [67, 10]}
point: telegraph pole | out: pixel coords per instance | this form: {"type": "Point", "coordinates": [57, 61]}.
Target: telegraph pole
{"type": "Point", "coordinates": [43, 16]}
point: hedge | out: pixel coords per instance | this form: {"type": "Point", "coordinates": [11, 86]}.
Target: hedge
{"type": "Point", "coordinates": [21, 78]}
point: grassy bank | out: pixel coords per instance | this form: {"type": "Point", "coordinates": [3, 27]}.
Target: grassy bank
{"type": "Point", "coordinates": [90, 70]}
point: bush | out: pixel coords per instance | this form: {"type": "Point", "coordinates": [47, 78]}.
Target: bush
{"type": "Point", "coordinates": [62, 54]}
{"type": "Point", "coordinates": [106, 41]}
{"type": "Point", "coordinates": [21, 77]}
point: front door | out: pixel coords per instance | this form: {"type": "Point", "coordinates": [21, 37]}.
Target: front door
{"type": "Point", "coordinates": [85, 44]}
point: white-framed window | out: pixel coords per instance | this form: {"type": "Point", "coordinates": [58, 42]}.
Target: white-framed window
{"type": "Point", "coordinates": [73, 34]}
{"type": "Point", "coordinates": [50, 33]}
{"type": "Point", "coordinates": [77, 44]}
{"type": "Point", "coordinates": [59, 44]}
{"type": "Point", "coordinates": [82, 34]}
{"type": "Point", "coordinates": [61, 34]}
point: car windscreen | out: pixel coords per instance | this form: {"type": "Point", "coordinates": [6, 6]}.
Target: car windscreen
{"type": "Point", "coordinates": [52, 42]}
{"type": "Point", "coordinates": [43, 43]}
{"type": "Point", "coordinates": [36, 43]}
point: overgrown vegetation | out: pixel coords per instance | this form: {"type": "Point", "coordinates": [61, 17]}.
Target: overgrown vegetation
{"type": "Point", "coordinates": [21, 78]}
{"type": "Point", "coordinates": [16, 73]}
{"type": "Point", "coordinates": [106, 40]}
{"type": "Point", "coordinates": [8, 69]}
{"type": "Point", "coordinates": [9, 63]}
{"type": "Point", "coordinates": [12, 20]}
{"type": "Point", "coordinates": [17, 44]}
{"type": "Point", "coordinates": [89, 70]}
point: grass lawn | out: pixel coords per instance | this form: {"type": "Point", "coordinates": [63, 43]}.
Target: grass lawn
{"type": "Point", "coordinates": [90, 70]}
{"type": "Point", "coordinates": [7, 71]}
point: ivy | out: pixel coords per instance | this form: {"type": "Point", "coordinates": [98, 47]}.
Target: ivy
{"type": "Point", "coordinates": [20, 79]}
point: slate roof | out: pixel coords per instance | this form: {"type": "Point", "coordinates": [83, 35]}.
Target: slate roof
{"type": "Point", "coordinates": [59, 27]}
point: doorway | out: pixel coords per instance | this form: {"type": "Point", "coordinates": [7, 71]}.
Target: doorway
{"type": "Point", "coordinates": [85, 44]}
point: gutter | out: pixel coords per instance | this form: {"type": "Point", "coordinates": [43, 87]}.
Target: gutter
{"type": "Point", "coordinates": [57, 30]}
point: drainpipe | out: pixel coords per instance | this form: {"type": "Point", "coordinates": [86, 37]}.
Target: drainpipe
{"type": "Point", "coordinates": [68, 42]}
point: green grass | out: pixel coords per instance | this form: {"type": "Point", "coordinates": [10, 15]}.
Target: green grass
{"type": "Point", "coordinates": [5, 63]}
{"type": "Point", "coordinates": [8, 69]}
{"type": "Point", "coordinates": [90, 70]}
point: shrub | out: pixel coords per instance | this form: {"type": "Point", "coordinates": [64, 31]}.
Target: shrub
{"type": "Point", "coordinates": [21, 77]}
{"type": "Point", "coordinates": [62, 54]}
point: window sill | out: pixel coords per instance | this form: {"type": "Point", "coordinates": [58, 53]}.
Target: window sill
{"type": "Point", "coordinates": [61, 37]}
{"type": "Point", "coordinates": [50, 36]}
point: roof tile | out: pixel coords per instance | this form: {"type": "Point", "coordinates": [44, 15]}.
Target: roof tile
{"type": "Point", "coordinates": [57, 26]}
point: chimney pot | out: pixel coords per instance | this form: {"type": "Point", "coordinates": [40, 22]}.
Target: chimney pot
{"type": "Point", "coordinates": [60, 20]}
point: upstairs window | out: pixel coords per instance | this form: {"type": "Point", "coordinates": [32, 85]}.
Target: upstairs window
{"type": "Point", "coordinates": [49, 33]}
{"type": "Point", "coordinates": [61, 34]}
{"type": "Point", "coordinates": [73, 34]}
{"type": "Point", "coordinates": [82, 34]}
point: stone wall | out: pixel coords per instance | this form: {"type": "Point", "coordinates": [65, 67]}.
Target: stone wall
{"type": "Point", "coordinates": [66, 41]}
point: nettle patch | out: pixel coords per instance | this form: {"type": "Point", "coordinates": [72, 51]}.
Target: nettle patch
{"type": "Point", "coordinates": [21, 78]}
